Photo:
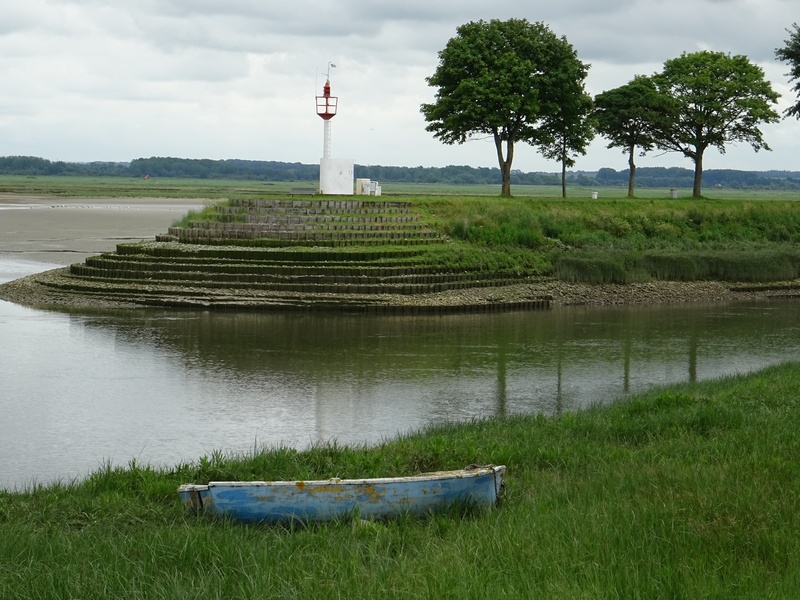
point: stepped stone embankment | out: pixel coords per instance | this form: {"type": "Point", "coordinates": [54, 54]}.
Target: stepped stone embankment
{"type": "Point", "coordinates": [351, 255]}
{"type": "Point", "coordinates": [305, 254]}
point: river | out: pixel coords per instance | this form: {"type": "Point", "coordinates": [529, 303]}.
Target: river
{"type": "Point", "coordinates": [79, 391]}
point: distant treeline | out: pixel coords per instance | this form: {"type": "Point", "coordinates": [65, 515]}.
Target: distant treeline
{"type": "Point", "coordinates": [677, 177]}
{"type": "Point", "coordinates": [283, 171]}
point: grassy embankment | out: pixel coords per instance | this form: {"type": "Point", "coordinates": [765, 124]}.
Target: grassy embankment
{"type": "Point", "coordinates": [612, 241]}
{"type": "Point", "coordinates": [625, 241]}
{"type": "Point", "coordinates": [685, 492]}
{"type": "Point", "coordinates": [730, 236]}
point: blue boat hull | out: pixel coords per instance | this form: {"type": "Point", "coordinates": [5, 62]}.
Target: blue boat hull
{"type": "Point", "coordinates": [325, 500]}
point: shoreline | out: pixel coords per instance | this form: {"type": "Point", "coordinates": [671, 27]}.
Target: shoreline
{"type": "Point", "coordinates": [64, 231]}
{"type": "Point", "coordinates": [49, 290]}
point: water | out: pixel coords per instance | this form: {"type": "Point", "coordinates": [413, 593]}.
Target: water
{"type": "Point", "coordinates": [78, 391]}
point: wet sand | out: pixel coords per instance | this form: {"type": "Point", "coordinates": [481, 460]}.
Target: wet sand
{"type": "Point", "coordinates": [67, 230]}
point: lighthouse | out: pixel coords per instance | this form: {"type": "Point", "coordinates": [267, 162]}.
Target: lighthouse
{"type": "Point", "coordinates": [335, 174]}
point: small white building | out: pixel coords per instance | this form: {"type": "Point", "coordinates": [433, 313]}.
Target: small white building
{"type": "Point", "coordinates": [365, 187]}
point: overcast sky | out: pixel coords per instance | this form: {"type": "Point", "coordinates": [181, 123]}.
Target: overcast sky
{"type": "Point", "coordinates": [113, 80]}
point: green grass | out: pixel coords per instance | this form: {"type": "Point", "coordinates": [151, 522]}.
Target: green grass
{"type": "Point", "coordinates": [684, 492]}
{"type": "Point", "coordinates": [123, 187]}
{"type": "Point", "coordinates": [616, 240]}
{"type": "Point", "coordinates": [75, 186]}
{"type": "Point", "coordinates": [618, 223]}
{"type": "Point", "coordinates": [731, 235]}
{"type": "Point", "coordinates": [624, 241]}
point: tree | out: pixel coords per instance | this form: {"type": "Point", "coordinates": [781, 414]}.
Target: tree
{"type": "Point", "coordinates": [716, 99]}
{"type": "Point", "coordinates": [625, 115]}
{"type": "Point", "coordinates": [569, 126]}
{"type": "Point", "coordinates": [790, 53]}
{"type": "Point", "coordinates": [570, 131]}
{"type": "Point", "coordinates": [501, 79]}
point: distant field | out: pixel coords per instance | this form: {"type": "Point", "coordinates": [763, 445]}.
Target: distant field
{"type": "Point", "coordinates": [94, 187]}
{"type": "Point", "coordinates": [97, 187]}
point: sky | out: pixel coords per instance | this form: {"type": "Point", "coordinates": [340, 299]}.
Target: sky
{"type": "Point", "coordinates": [114, 80]}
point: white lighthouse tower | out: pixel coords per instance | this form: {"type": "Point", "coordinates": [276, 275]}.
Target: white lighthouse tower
{"type": "Point", "coordinates": [335, 174]}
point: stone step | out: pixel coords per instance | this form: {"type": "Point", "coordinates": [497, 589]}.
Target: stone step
{"type": "Point", "coordinates": [214, 235]}
{"type": "Point", "coordinates": [303, 285]}
{"type": "Point", "coordinates": [321, 205]}
{"type": "Point", "coordinates": [184, 252]}
{"type": "Point", "coordinates": [167, 272]}
{"type": "Point", "coordinates": [204, 298]}
{"type": "Point", "coordinates": [302, 225]}
{"type": "Point", "coordinates": [148, 264]}
{"type": "Point", "coordinates": [364, 212]}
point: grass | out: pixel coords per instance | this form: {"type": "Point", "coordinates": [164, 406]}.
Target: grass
{"type": "Point", "coordinates": [619, 223]}
{"type": "Point", "coordinates": [88, 187]}
{"type": "Point", "coordinates": [617, 240]}
{"type": "Point", "coordinates": [624, 241]}
{"type": "Point", "coordinates": [731, 235]}
{"type": "Point", "coordinates": [684, 492]}
{"type": "Point", "coordinates": [125, 187]}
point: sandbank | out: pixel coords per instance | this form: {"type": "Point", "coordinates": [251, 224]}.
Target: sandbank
{"type": "Point", "coordinates": [67, 230]}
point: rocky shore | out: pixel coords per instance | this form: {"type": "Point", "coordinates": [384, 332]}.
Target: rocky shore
{"type": "Point", "coordinates": [53, 290]}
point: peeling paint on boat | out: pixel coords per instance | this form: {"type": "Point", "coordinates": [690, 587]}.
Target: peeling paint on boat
{"type": "Point", "coordinates": [323, 500]}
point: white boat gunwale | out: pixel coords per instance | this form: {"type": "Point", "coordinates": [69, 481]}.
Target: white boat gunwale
{"type": "Point", "coordinates": [430, 476]}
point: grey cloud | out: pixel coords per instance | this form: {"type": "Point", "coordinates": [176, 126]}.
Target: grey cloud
{"type": "Point", "coordinates": [255, 60]}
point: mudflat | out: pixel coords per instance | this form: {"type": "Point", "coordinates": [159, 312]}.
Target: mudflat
{"type": "Point", "coordinates": [67, 230]}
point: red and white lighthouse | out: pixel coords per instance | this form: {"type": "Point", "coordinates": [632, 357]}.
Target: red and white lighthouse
{"type": "Point", "coordinates": [335, 175]}
{"type": "Point", "coordinates": [326, 108]}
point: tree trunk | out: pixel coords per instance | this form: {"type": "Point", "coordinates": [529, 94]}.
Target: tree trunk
{"type": "Point", "coordinates": [505, 163]}
{"type": "Point", "coordinates": [697, 191]}
{"type": "Point", "coordinates": [563, 178]}
{"type": "Point", "coordinates": [505, 170]}
{"type": "Point", "coordinates": [631, 171]}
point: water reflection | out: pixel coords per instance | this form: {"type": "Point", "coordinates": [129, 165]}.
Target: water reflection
{"type": "Point", "coordinates": [166, 386]}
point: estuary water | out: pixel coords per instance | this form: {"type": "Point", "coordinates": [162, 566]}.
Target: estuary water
{"type": "Point", "coordinates": [78, 391]}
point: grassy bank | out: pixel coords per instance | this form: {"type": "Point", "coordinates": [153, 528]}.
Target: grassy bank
{"type": "Point", "coordinates": [732, 235]}
{"type": "Point", "coordinates": [627, 241]}
{"type": "Point", "coordinates": [685, 492]}
{"type": "Point", "coordinates": [613, 241]}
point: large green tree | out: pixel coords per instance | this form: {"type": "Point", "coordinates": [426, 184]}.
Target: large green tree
{"type": "Point", "coordinates": [569, 132]}
{"type": "Point", "coordinates": [716, 99]}
{"type": "Point", "coordinates": [790, 53]}
{"type": "Point", "coordinates": [503, 79]}
{"type": "Point", "coordinates": [625, 115]}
